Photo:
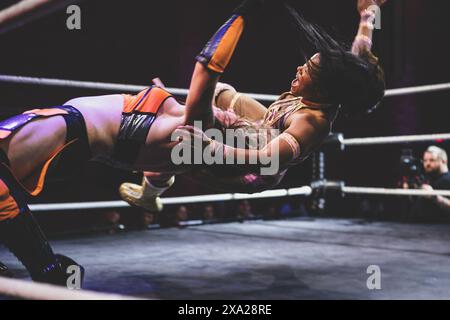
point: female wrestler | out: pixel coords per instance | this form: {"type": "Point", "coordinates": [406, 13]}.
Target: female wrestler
{"type": "Point", "coordinates": [352, 79]}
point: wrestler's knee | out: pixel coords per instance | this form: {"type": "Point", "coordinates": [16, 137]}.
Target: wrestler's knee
{"type": "Point", "coordinates": [9, 208]}
{"type": "Point", "coordinates": [12, 197]}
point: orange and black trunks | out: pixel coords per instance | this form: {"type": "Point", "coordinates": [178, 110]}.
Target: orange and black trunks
{"type": "Point", "coordinates": [139, 113]}
{"type": "Point", "coordinates": [65, 160]}
{"type": "Point", "coordinates": [146, 101]}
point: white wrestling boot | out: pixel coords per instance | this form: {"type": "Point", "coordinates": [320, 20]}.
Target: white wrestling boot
{"type": "Point", "coordinates": [145, 196]}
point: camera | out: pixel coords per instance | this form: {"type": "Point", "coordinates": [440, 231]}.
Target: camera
{"type": "Point", "coordinates": [410, 170]}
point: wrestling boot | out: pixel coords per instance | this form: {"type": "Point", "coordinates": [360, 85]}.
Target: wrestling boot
{"type": "Point", "coordinates": [21, 234]}
{"type": "Point", "coordinates": [146, 196]}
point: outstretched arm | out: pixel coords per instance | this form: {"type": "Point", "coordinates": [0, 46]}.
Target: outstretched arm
{"type": "Point", "coordinates": [363, 39]}
{"type": "Point", "coordinates": [211, 63]}
{"type": "Point", "coordinates": [304, 133]}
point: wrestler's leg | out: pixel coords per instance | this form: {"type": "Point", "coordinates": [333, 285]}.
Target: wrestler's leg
{"type": "Point", "coordinates": [212, 62]}
{"type": "Point", "coordinates": [20, 154]}
{"type": "Point", "coordinates": [241, 104]}
{"type": "Point", "coordinates": [30, 146]}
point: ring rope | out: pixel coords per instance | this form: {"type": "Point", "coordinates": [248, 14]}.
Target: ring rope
{"type": "Point", "coordinates": [39, 291]}
{"type": "Point", "coordinates": [340, 186]}
{"type": "Point", "coordinates": [395, 192]}
{"type": "Point", "coordinates": [106, 86]}
{"type": "Point", "coordinates": [27, 10]}
{"type": "Point", "coordinates": [395, 139]}
{"type": "Point", "coordinates": [301, 191]}
{"type": "Point", "coordinates": [21, 8]}
{"type": "Point", "coordinates": [418, 89]}
{"type": "Point", "coordinates": [178, 91]}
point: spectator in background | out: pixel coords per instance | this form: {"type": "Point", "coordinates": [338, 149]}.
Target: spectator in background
{"type": "Point", "coordinates": [437, 176]}
{"type": "Point", "coordinates": [208, 212]}
{"type": "Point", "coordinates": [245, 210]}
{"type": "Point", "coordinates": [111, 218]}
{"type": "Point", "coordinates": [181, 214]}
{"type": "Point", "coordinates": [435, 164]}
{"type": "Point", "coordinates": [147, 219]}
{"type": "Point", "coordinates": [271, 212]}
{"type": "Point", "coordinates": [286, 209]}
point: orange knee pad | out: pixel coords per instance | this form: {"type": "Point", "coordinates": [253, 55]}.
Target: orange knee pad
{"type": "Point", "coordinates": [218, 51]}
{"type": "Point", "coordinates": [12, 196]}
{"type": "Point", "coordinates": [9, 208]}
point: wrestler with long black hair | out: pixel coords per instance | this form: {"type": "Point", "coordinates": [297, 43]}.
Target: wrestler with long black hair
{"type": "Point", "coordinates": [336, 79]}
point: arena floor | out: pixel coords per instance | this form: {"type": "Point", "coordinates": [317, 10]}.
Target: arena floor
{"type": "Point", "coordinates": [288, 259]}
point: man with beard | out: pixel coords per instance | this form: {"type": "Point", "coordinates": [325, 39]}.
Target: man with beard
{"type": "Point", "coordinates": [435, 164]}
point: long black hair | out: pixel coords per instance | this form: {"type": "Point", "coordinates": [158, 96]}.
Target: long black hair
{"type": "Point", "coordinates": [356, 82]}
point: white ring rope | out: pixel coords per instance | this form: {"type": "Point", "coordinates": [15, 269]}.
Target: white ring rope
{"type": "Point", "coordinates": [77, 84]}
{"type": "Point", "coordinates": [418, 89]}
{"type": "Point", "coordinates": [178, 91]}
{"type": "Point", "coordinates": [38, 291]}
{"type": "Point", "coordinates": [106, 86]}
{"type": "Point", "coordinates": [301, 191]}
{"type": "Point", "coordinates": [21, 8]}
{"type": "Point", "coordinates": [340, 186]}
{"type": "Point", "coordinates": [25, 11]}
{"type": "Point", "coordinates": [395, 139]}
{"type": "Point", "coordinates": [395, 192]}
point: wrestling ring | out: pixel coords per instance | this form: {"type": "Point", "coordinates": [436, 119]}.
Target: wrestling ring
{"type": "Point", "coordinates": [285, 259]}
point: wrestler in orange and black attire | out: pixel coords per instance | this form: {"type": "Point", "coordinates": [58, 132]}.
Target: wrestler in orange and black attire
{"type": "Point", "coordinates": [19, 232]}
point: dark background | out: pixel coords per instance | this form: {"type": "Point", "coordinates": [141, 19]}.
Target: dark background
{"type": "Point", "coordinates": [134, 41]}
